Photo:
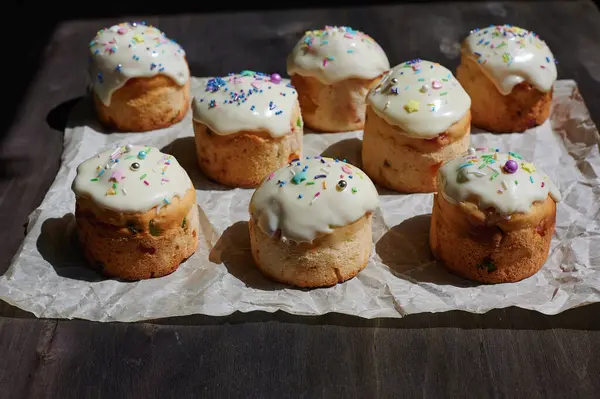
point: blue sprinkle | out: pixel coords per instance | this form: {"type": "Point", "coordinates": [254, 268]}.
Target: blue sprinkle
{"type": "Point", "coordinates": [299, 177]}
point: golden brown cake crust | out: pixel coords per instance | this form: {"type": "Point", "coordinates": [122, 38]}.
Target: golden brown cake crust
{"type": "Point", "coordinates": [408, 164]}
{"type": "Point", "coordinates": [245, 158]}
{"type": "Point", "coordinates": [339, 107]}
{"type": "Point", "coordinates": [328, 260]}
{"type": "Point", "coordinates": [487, 248]}
{"type": "Point", "coordinates": [144, 104]}
{"type": "Point", "coordinates": [135, 246]}
{"type": "Point", "coordinates": [525, 107]}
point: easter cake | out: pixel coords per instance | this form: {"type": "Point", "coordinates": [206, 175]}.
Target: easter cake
{"type": "Point", "coordinates": [493, 217]}
{"type": "Point", "coordinates": [333, 69]}
{"type": "Point", "coordinates": [136, 212]}
{"type": "Point", "coordinates": [310, 222]}
{"type": "Point", "coordinates": [140, 79]}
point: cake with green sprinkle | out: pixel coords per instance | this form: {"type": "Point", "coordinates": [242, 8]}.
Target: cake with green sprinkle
{"type": "Point", "coordinates": [493, 217]}
{"type": "Point", "coordinates": [136, 212]}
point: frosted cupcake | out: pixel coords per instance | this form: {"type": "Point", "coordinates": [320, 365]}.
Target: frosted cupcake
{"type": "Point", "coordinates": [310, 222]}
{"type": "Point", "coordinates": [140, 78]}
{"type": "Point", "coordinates": [136, 212]}
{"type": "Point", "coordinates": [509, 73]}
{"type": "Point", "coordinates": [333, 69]}
{"type": "Point", "coordinates": [246, 126]}
{"type": "Point", "coordinates": [493, 217]}
{"type": "Point", "coordinates": [417, 119]}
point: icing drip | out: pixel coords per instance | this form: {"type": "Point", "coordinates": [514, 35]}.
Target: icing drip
{"type": "Point", "coordinates": [132, 50]}
{"type": "Point", "coordinates": [248, 101]}
{"type": "Point", "coordinates": [337, 53]}
{"type": "Point", "coordinates": [509, 55]}
{"type": "Point", "coordinates": [503, 181]}
{"type": "Point", "coordinates": [131, 179]}
{"type": "Point", "coordinates": [421, 97]}
{"type": "Point", "coordinates": [310, 197]}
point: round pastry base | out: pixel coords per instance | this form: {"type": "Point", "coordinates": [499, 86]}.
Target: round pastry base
{"type": "Point", "coordinates": [394, 160]}
{"type": "Point", "coordinates": [489, 249]}
{"type": "Point", "coordinates": [324, 262]}
{"type": "Point", "coordinates": [144, 104]}
{"type": "Point", "coordinates": [334, 108]}
{"type": "Point", "coordinates": [134, 253]}
{"type": "Point", "coordinates": [246, 158]}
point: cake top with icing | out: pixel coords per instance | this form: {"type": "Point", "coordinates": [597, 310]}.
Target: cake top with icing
{"type": "Point", "coordinates": [421, 97]}
{"type": "Point", "coordinates": [249, 101]}
{"type": "Point", "coordinates": [337, 53]}
{"type": "Point", "coordinates": [503, 181]}
{"type": "Point", "coordinates": [132, 50]}
{"type": "Point", "coordinates": [131, 178]}
{"type": "Point", "coordinates": [510, 55]}
{"type": "Point", "coordinates": [311, 196]}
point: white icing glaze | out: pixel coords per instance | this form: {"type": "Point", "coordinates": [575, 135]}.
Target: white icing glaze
{"type": "Point", "coordinates": [482, 174]}
{"type": "Point", "coordinates": [509, 55]}
{"type": "Point", "coordinates": [301, 210]}
{"type": "Point", "coordinates": [247, 101]}
{"type": "Point", "coordinates": [337, 53]}
{"type": "Point", "coordinates": [132, 50]}
{"type": "Point", "coordinates": [108, 179]}
{"type": "Point", "coordinates": [425, 100]}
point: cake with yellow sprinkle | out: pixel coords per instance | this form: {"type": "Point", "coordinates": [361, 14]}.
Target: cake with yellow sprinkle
{"type": "Point", "coordinates": [310, 222]}
{"type": "Point", "coordinates": [493, 217]}
{"type": "Point", "coordinates": [417, 118]}
{"type": "Point", "coordinates": [333, 69]}
{"type": "Point", "coordinates": [509, 73]}
{"type": "Point", "coordinates": [136, 212]}
{"type": "Point", "coordinates": [140, 78]}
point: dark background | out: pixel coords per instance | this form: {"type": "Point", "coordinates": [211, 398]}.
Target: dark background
{"type": "Point", "coordinates": [504, 353]}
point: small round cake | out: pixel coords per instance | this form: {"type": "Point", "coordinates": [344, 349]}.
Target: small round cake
{"type": "Point", "coordinates": [333, 69]}
{"type": "Point", "coordinates": [493, 216]}
{"type": "Point", "coordinates": [136, 212]}
{"type": "Point", "coordinates": [310, 222]}
{"type": "Point", "coordinates": [246, 126]}
{"type": "Point", "coordinates": [417, 119]}
{"type": "Point", "coordinates": [509, 73]}
{"type": "Point", "coordinates": [140, 78]}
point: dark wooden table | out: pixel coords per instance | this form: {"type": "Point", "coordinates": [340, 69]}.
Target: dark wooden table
{"type": "Point", "coordinates": [504, 353]}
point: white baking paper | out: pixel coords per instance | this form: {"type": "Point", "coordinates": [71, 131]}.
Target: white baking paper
{"type": "Point", "coordinates": [49, 277]}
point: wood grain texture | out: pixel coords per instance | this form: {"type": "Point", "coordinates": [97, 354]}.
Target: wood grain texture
{"type": "Point", "coordinates": [504, 353]}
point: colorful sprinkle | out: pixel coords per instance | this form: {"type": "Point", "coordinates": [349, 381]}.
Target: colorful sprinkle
{"type": "Point", "coordinates": [299, 177]}
{"type": "Point", "coordinates": [511, 166]}
{"type": "Point", "coordinates": [315, 197]}
{"type": "Point", "coordinates": [275, 78]}
{"type": "Point", "coordinates": [412, 106]}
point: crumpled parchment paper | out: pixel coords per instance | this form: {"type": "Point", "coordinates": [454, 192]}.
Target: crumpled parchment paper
{"type": "Point", "coordinates": [49, 277]}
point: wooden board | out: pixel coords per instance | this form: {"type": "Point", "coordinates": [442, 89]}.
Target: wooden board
{"type": "Point", "coordinates": [504, 353]}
